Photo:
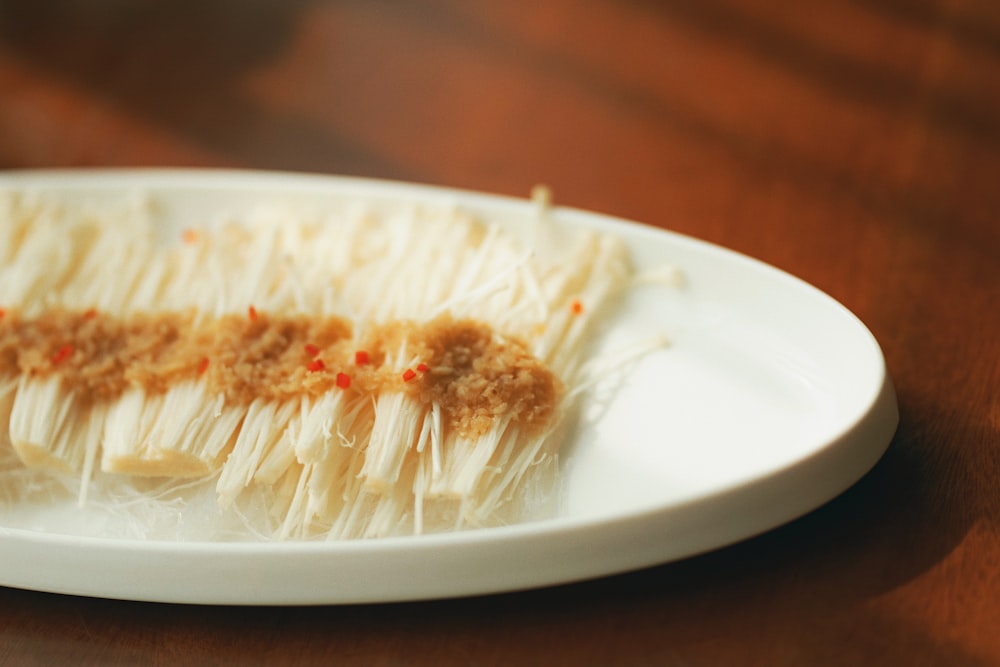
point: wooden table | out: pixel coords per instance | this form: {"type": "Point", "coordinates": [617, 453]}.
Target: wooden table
{"type": "Point", "coordinates": [854, 144]}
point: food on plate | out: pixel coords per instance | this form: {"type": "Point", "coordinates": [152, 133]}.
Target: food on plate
{"type": "Point", "coordinates": [330, 374]}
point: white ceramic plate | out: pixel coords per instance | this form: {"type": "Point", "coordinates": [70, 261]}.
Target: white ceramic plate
{"type": "Point", "coordinates": [771, 400]}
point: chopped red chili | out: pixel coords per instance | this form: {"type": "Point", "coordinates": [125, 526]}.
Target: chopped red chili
{"type": "Point", "coordinates": [62, 354]}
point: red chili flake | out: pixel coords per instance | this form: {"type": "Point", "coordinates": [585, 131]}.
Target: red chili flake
{"type": "Point", "coordinates": [409, 374]}
{"type": "Point", "coordinates": [361, 358]}
{"type": "Point", "coordinates": [62, 354]}
{"type": "Point", "coordinates": [576, 307]}
{"type": "Point", "coordinates": [90, 314]}
{"type": "Point", "coordinates": [252, 313]}
{"type": "Point", "coordinates": [343, 380]}
{"type": "Point", "coordinates": [190, 236]}
{"type": "Point", "coordinates": [423, 368]}
{"type": "Point", "coordinates": [315, 365]}
{"type": "Point", "coordinates": [3, 311]}
{"type": "Point", "coordinates": [312, 350]}
{"type": "Point", "coordinates": [203, 366]}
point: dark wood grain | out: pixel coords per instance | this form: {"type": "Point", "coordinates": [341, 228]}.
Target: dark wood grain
{"type": "Point", "coordinates": [854, 144]}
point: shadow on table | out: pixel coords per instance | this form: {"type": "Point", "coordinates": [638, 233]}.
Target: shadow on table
{"type": "Point", "coordinates": [181, 65]}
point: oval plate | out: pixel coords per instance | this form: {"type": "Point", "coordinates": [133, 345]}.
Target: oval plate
{"type": "Point", "coordinates": [771, 400]}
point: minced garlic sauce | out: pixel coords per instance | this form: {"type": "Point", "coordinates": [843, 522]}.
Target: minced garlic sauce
{"type": "Point", "coordinates": [474, 375]}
